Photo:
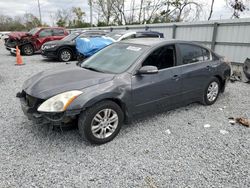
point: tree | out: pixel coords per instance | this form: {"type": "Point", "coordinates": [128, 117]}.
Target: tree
{"type": "Point", "coordinates": [238, 6]}
{"type": "Point", "coordinates": [105, 8]}
{"type": "Point", "coordinates": [78, 20]}
{"type": "Point", "coordinates": [62, 17]}
{"type": "Point", "coordinates": [31, 21]}
{"type": "Point", "coordinates": [19, 23]}
{"type": "Point", "coordinates": [211, 10]}
{"type": "Point", "coordinates": [118, 7]}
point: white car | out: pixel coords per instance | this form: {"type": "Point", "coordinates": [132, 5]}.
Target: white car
{"type": "Point", "coordinates": [123, 35]}
{"type": "Point", "coordinates": [4, 35]}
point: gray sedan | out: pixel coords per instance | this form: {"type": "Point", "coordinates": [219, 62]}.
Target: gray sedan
{"type": "Point", "coordinates": [122, 81]}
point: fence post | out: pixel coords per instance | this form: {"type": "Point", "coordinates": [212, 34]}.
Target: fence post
{"type": "Point", "coordinates": [174, 31]}
{"type": "Point", "coordinates": [215, 28]}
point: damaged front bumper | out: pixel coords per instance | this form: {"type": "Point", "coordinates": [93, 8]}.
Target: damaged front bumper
{"type": "Point", "coordinates": [56, 119]}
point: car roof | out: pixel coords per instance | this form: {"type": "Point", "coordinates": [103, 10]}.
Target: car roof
{"type": "Point", "coordinates": [121, 32]}
{"type": "Point", "coordinates": [132, 31]}
{"type": "Point", "coordinates": [157, 41]}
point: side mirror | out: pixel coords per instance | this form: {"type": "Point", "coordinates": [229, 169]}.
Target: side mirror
{"type": "Point", "coordinates": [148, 70]}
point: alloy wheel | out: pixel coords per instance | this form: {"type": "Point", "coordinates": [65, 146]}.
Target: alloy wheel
{"type": "Point", "coordinates": [104, 123]}
{"type": "Point", "coordinates": [65, 55]}
{"type": "Point", "coordinates": [28, 50]}
{"type": "Point", "coordinates": [212, 91]}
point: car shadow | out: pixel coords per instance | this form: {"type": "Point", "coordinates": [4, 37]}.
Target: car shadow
{"type": "Point", "coordinates": [70, 132]}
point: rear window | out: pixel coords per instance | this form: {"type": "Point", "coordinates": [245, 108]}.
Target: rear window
{"type": "Point", "coordinates": [192, 54]}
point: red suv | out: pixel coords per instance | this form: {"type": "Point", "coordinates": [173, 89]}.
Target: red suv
{"type": "Point", "coordinates": [30, 42]}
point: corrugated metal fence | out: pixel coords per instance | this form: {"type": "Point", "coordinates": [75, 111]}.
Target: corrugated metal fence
{"type": "Point", "coordinates": [230, 38]}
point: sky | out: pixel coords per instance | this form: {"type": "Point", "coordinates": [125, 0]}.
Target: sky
{"type": "Point", "coordinates": [48, 7]}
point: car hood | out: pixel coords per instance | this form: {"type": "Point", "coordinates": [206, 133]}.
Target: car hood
{"type": "Point", "coordinates": [49, 83]}
{"type": "Point", "coordinates": [18, 35]}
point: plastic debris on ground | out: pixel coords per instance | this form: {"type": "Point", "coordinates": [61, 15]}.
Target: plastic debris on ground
{"type": "Point", "coordinates": [207, 125]}
{"type": "Point", "coordinates": [240, 120]}
{"type": "Point", "coordinates": [168, 131]}
{"type": "Point", "coordinates": [243, 121]}
{"type": "Point", "coordinates": [224, 132]}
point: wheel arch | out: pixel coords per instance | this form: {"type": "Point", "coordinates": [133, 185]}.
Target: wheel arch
{"type": "Point", "coordinates": [20, 46]}
{"type": "Point", "coordinates": [222, 82]}
{"type": "Point", "coordinates": [84, 103]}
{"type": "Point", "coordinates": [118, 101]}
{"type": "Point", "coordinates": [67, 48]}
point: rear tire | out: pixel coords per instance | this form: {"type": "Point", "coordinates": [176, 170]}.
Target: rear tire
{"type": "Point", "coordinates": [27, 49]}
{"type": "Point", "coordinates": [65, 55]}
{"type": "Point", "coordinates": [212, 91]}
{"type": "Point", "coordinates": [101, 123]}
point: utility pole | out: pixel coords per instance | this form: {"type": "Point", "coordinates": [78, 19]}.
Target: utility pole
{"type": "Point", "coordinates": [40, 15]}
{"type": "Point", "coordinates": [91, 13]}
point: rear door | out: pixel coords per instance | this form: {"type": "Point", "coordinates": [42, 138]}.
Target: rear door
{"type": "Point", "coordinates": [162, 89]}
{"type": "Point", "coordinates": [196, 69]}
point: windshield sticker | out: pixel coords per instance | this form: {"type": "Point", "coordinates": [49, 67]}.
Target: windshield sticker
{"type": "Point", "coordinates": [133, 48]}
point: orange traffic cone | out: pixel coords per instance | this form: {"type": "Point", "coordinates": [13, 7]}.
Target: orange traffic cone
{"type": "Point", "coordinates": [19, 60]}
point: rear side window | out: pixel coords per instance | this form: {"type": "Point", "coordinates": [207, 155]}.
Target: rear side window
{"type": "Point", "coordinates": [58, 32]}
{"type": "Point", "coordinates": [45, 33]}
{"type": "Point", "coordinates": [193, 54]}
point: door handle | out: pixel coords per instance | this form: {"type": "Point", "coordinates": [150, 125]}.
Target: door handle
{"type": "Point", "coordinates": [176, 77]}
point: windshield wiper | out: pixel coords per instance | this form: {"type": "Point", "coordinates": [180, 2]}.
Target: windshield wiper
{"type": "Point", "coordinates": [93, 69]}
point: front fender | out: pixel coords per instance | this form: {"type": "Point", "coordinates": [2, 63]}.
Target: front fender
{"type": "Point", "coordinates": [100, 92]}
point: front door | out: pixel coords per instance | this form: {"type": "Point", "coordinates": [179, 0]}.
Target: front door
{"type": "Point", "coordinates": [45, 35]}
{"type": "Point", "coordinates": [159, 90]}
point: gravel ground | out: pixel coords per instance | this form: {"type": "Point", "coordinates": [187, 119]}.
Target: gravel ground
{"type": "Point", "coordinates": [171, 149]}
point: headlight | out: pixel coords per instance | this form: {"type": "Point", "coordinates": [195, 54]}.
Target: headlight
{"type": "Point", "coordinates": [60, 102]}
{"type": "Point", "coordinates": [48, 46]}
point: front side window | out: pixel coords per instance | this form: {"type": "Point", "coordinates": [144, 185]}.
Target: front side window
{"type": "Point", "coordinates": [34, 31]}
{"type": "Point", "coordinates": [163, 57]}
{"type": "Point", "coordinates": [45, 33]}
{"type": "Point", "coordinates": [193, 54]}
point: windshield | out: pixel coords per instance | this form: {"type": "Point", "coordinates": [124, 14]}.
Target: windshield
{"type": "Point", "coordinates": [33, 31]}
{"type": "Point", "coordinates": [115, 58]}
{"type": "Point", "coordinates": [114, 36]}
{"type": "Point", "coordinates": [71, 37]}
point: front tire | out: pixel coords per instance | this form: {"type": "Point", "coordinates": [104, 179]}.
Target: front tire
{"type": "Point", "coordinates": [101, 123]}
{"type": "Point", "coordinates": [27, 49]}
{"type": "Point", "coordinates": [212, 91]}
{"type": "Point", "coordinates": [65, 55]}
